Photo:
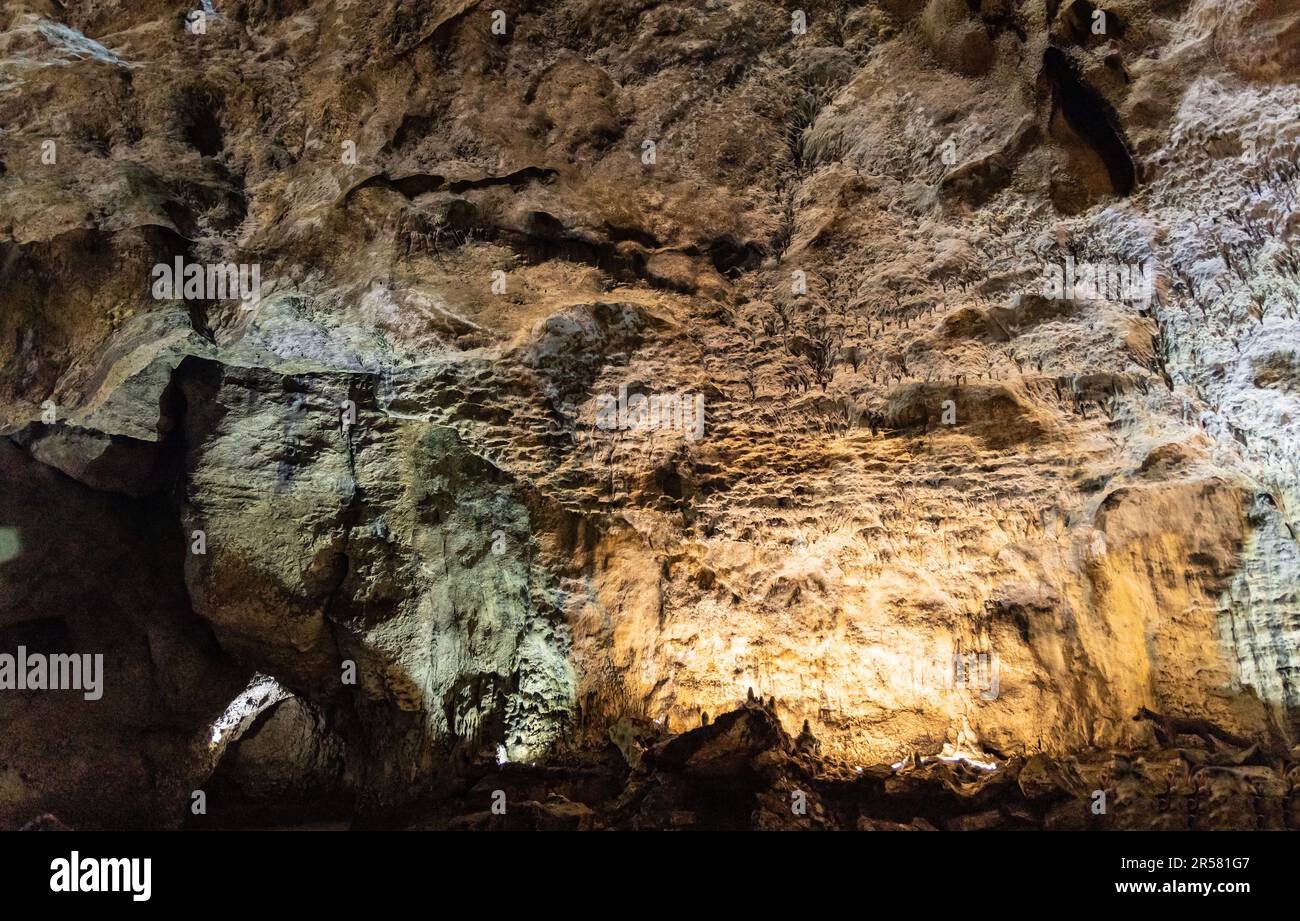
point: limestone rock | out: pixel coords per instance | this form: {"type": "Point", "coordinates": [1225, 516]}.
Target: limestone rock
{"type": "Point", "coordinates": [915, 394]}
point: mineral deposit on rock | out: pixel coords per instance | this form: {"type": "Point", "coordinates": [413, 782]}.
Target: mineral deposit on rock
{"type": "Point", "coordinates": [650, 411]}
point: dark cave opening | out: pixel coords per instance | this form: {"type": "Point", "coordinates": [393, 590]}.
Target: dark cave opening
{"type": "Point", "coordinates": [1091, 117]}
{"type": "Point", "coordinates": [199, 122]}
{"type": "Point", "coordinates": [45, 636]}
{"type": "Point", "coordinates": [730, 256]}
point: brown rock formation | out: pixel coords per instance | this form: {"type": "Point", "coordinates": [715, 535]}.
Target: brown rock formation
{"type": "Point", "coordinates": [560, 375]}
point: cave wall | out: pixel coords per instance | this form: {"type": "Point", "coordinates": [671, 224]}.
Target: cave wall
{"type": "Point", "coordinates": [412, 515]}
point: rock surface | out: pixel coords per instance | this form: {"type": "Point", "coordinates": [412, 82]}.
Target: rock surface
{"type": "Point", "coordinates": [373, 543]}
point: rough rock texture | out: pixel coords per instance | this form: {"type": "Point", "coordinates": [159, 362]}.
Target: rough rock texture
{"type": "Point", "coordinates": [933, 512]}
{"type": "Point", "coordinates": [744, 772]}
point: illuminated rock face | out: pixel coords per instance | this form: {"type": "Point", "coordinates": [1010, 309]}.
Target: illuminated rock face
{"type": "Point", "coordinates": [931, 372]}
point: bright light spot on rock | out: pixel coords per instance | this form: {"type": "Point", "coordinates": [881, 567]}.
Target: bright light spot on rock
{"type": "Point", "coordinates": [262, 692]}
{"type": "Point", "coordinates": [950, 756]}
{"type": "Point", "coordinates": [10, 544]}
{"type": "Point", "coordinates": [971, 762]}
{"type": "Point", "coordinates": [501, 755]}
{"type": "Point", "coordinates": [957, 754]}
{"type": "Point", "coordinates": [74, 43]}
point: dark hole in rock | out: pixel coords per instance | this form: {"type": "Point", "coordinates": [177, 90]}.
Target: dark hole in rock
{"type": "Point", "coordinates": [418, 184]}
{"type": "Point", "coordinates": [460, 214]}
{"type": "Point", "coordinates": [284, 768]}
{"type": "Point", "coordinates": [635, 234]}
{"type": "Point", "coordinates": [545, 226]}
{"type": "Point", "coordinates": [47, 636]}
{"type": "Point", "coordinates": [1092, 118]}
{"type": "Point", "coordinates": [412, 130]}
{"type": "Point", "coordinates": [669, 481]}
{"type": "Point", "coordinates": [182, 218]}
{"type": "Point", "coordinates": [545, 236]}
{"type": "Point", "coordinates": [730, 256]}
{"type": "Point", "coordinates": [199, 122]}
